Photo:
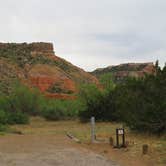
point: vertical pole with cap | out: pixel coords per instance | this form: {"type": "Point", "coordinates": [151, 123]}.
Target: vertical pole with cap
{"type": "Point", "coordinates": [92, 129]}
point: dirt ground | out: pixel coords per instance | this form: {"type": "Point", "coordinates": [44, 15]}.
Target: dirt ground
{"type": "Point", "coordinates": [46, 144]}
{"type": "Point", "coordinates": [46, 150]}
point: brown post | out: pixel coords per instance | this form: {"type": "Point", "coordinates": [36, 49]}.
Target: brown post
{"type": "Point", "coordinates": [123, 138]}
{"type": "Point", "coordinates": [117, 139]}
{"type": "Point", "coordinates": [145, 149]}
{"type": "Point", "coordinates": [111, 140]}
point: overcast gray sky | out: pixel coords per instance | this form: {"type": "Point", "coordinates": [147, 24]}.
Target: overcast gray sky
{"type": "Point", "coordinates": [89, 33]}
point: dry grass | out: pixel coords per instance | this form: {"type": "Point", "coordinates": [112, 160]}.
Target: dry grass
{"type": "Point", "coordinates": [157, 145]}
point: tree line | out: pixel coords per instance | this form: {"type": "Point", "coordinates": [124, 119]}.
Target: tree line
{"type": "Point", "coordinates": [138, 102]}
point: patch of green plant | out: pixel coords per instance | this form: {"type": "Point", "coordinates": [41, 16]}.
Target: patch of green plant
{"type": "Point", "coordinates": [18, 118]}
{"type": "Point", "coordinates": [97, 103]}
{"type": "Point", "coordinates": [107, 82]}
{"type": "Point", "coordinates": [3, 129]}
{"type": "Point", "coordinates": [22, 98]}
{"type": "Point", "coordinates": [56, 88]}
{"type": "Point", "coordinates": [61, 109]}
{"type": "Point", "coordinates": [54, 113]}
{"type": "Point", "coordinates": [3, 117]}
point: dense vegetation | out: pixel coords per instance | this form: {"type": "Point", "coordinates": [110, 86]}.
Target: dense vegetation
{"type": "Point", "coordinates": [23, 102]}
{"type": "Point", "coordinates": [140, 103]}
{"type": "Point", "coordinates": [16, 106]}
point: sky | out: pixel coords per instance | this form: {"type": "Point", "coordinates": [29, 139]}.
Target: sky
{"type": "Point", "coordinates": [90, 33]}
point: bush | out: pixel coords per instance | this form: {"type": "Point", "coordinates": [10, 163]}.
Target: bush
{"type": "Point", "coordinates": [60, 109]}
{"type": "Point", "coordinates": [107, 82]}
{"type": "Point", "coordinates": [3, 117]}
{"type": "Point", "coordinates": [23, 99]}
{"type": "Point", "coordinates": [53, 112]}
{"type": "Point", "coordinates": [18, 118]}
{"type": "Point", "coordinates": [72, 108]}
{"type": "Point", "coordinates": [13, 118]}
{"type": "Point", "coordinates": [97, 103]}
{"type": "Point", "coordinates": [3, 128]}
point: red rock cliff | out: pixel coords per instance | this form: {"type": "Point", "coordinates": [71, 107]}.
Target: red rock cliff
{"type": "Point", "coordinates": [40, 67]}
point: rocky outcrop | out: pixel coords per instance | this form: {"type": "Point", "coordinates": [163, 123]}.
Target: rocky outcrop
{"type": "Point", "coordinates": [122, 71]}
{"type": "Point", "coordinates": [39, 67]}
{"type": "Point", "coordinates": [36, 46]}
{"type": "Point", "coordinates": [45, 49]}
{"type": "Point", "coordinates": [45, 76]}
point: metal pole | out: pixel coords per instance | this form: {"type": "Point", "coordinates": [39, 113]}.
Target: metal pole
{"type": "Point", "coordinates": [92, 129]}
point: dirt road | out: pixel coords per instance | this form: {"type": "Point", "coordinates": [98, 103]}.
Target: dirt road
{"type": "Point", "coordinates": [46, 150]}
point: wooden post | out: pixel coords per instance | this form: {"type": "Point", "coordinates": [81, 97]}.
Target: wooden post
{"type": "Point", "coordinates": [117, 138]}
{"type": "Point", "coordinates": [120, 132]}
{"type": "Point", "coordinates": [111, 140]}
{"type": "Point", "coordinates": [123, 139]}
{"type": "Point", "coordinates": [92, 129]}
{"type": "Point", "coordinates": [145, 149]}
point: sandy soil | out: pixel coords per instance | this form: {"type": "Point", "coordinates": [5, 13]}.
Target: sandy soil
{"type": "Point", "coordinates": [45, 143]}
{"type": "Point", "coordinates": [46, 150]}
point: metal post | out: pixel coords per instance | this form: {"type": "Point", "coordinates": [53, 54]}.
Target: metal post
{"type": "Point", "coordinates": [92, 129]}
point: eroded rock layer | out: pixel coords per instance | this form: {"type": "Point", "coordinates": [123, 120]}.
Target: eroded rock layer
{"type": "Point", "coordinates": [122, 71]}
{"type": "Point", "coordinates": [37, 65]}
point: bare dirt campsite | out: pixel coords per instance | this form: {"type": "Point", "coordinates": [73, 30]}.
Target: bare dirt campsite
{"type": "Point", "coordinates": [46, 144]}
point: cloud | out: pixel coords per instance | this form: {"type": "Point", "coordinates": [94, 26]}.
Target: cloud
{"type": "Point", "coordinates": [92, 33]}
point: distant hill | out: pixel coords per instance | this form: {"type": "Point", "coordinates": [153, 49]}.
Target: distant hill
{"type": "Point", "coordinates": [37, 65]}
{"type": "Point", "coordinates": [122, 71]}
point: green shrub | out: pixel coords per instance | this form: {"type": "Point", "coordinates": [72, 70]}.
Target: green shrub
{"type": "Point", "coordinates": [72, 108]}
{"type": "Point", "coordinates": [61, 109]}
{"type": "Point", "coordinates": [56, 88]}
{"type": "Point", "coordinates": [97, 103]}
{"type": "Point", "coordinates": [3, 117]}
{"type": "Point", "coordinates": [25, 99]}
{"type": "Point", "coordinates": [18, 118]}
{"type": "Point", "coordinates": [106, 81]}
{"type": "Point", "coordinates": [53, 112]}
{"type": "Point", "coordinates": [13, 118]}
{"type": "Point", "coordinates": [22, 98]}
{"type": "Point", "coordinates": [3, 128]}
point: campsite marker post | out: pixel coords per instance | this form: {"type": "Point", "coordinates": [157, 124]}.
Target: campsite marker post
{"type": "Point", "coordinates": [120, 132]}
{"type": "Point", "coordinates": [92, 129]}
